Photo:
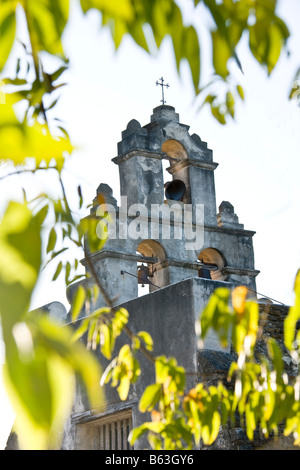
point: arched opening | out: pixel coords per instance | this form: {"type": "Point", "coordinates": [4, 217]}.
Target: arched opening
{"type": "Point", "coordinates": [152, 275]}
{"type": "Point", "coordinates": [213, 261]}
{"type": "Point", "coordinates": [175, 150]}
{"type": "Point", "coordinates": [176, 153]}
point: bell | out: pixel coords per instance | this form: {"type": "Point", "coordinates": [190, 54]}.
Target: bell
{"type": "Point", "coordinates": [175, 190]}
{"type": "Point", "coordinates": [143, 273]}
{"type": "Point", "coordinates": [204, 273]}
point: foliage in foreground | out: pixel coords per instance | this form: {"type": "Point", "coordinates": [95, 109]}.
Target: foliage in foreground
{"type": "Point", "coordinates": [262, 396]}
{"type": "Point", "coordinates": [43, 359]}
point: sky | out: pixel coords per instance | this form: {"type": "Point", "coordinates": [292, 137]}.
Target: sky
{"type": "Point", "coordinates": [257, 153]}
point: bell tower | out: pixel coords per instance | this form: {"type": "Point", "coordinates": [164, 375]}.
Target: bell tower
{"type": "Point", "coordinates": [168, 229]}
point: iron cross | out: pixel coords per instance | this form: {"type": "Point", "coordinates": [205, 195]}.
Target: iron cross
{"type": "Point", "coordinates": [162, 84]}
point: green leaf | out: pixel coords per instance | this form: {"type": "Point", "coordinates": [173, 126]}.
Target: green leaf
{"type": "Point", "coordinates": [230, 103]}
{"type": "Point", "coordinates": [155, 427]}
{"type": "Point", "coordinates": [137, 33]}
{"type": "Point", "coordinates": [166, 369]}
{"type": "Point", "coordinates": [40, 371]}
{"type": "Point", "coordinates": [82, 361]}
{"type": "Point", "coordinates": [55, 75]}
{"type": "Point", "coordinates": [15, 81]}
{"type": "Point", "coordinates": [147, 339]}
{"type": "Point", "coordinates": [20, 141]}
{"type": "Point", "coordinates": [51, 240]}
{"type": "Point", "coordinates": [78, 302]}
{"type": "Point", "coordinates": [266, 41]}
{"type": "Point", "coordinates": [20, 260]}
{"type": "Point", "coordinates": [7, 30]}
{"type": "Point", "coordinates": [37, 392]}
{"type": "Point", "coordinates": [46, 21]}
{"type": "Point", "coordinates": [93, 228]}
{"type": "Point", "coordinates": [221, 53]}
{"type": "Point", "coordinates": [240, 91]}
{"type": "Point", "coordinates": [293, 316]}
{"type": "Point", "coordinates": [57, 271]}
{"type": "Point", "coordinates": [217, 315]}
{"type": "Point", "coordinates": [107, 340]}
{"type": "Point", "coordinates": [218, 114]}
{"type": "Point", "coordinates": [37, 380]}
{"type": "Point", "coordinates": [81, 330]}
{"type": "Point", "coordinates": [122, 9]}
{"type": "Point", "coordinates": [191, 50]}
{"type": "Point", "coordinates": [150, 397]}
{"type": "Point", "coordinates": [124, 386]}
{"type": "Point", "coordinates": [67, 272]}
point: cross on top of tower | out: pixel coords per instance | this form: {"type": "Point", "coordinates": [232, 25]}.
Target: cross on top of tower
{"type": "Point", "coordinates": [162, 84]}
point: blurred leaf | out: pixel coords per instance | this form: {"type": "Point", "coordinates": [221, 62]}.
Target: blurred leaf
{"type": "Point", "coordinates": [20, 141]}
{"type": "Point", "coordinates": [80, 196]}
{"type": "Point", "coordinates": [221, 53]}
{"type": "Point", "coordinates": [93, 228]}
{"type": "Point", "coordinates": [41, 391]}
{"type": "Point", "coordinates": [15, 81]}
{"type": "Point", "coordinates": [150, 397]}
{"type": "Point", "coordinates": [168, 373]}
{"type": "Point", "coordinates": [244, 333]}
{"type": "Point", "coordinates": [7, 29]}
{"type": "Point", "coordinates": [106, 340]}
{"type": "Point", "coordinates": [78, 302]}
{"type": "Point", "coordinates": [137, 33]}
{"type": "Point", "coordinates": [38, 382]}
{"type": "Point", "coordinates": [55, 338]}
{"type": "Point", "coordinates": [266, 39]}
{"type": "Point", "coordinates": [217, 315]}
{"type": "Point", "coordinates": [83, 328]}
{"type": "Point", "coordinates": [156, 427]}
{"type": "Point", "coordinates": [117, 9]}
{"type": "Point", "coordinates": [293, 316]}
{"type": "Point", "coordinates": [40, 375]}
{"type": "Point", "coordinates": [218, 114]}
{"type": "Point", "coordinates": [230, 102]}
{"type": "Point", "coordinates": [191, 51]}
{"type": "Point", "coordinates": [123, 371]}
{"type": "Point", "coordinates": [46, 21]}
{"type": "Point", "coordinates": [240, 91]}
{"type": "Point", "coordinates": [239, 296]}
{"type": "Point", "coordinates": [20, 259]}
{"type": "Point", "coordinates": [276, 355]}
{"type": "Point", "coordinates": [55, 75]}
{"type": "Point", "coordinates": [57, 271]}
{"type": "Point", "coordinates": [51, 240]}
{"type": "Point", "coordinates": [147, 339]}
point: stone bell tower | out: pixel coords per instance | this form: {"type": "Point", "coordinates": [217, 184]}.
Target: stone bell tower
{"type": "Point", "coordinates": [167, 228]}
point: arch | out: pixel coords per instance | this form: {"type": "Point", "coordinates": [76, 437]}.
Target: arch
{"type": "Point", "coordinates": [214, 257]}
{"type": "Point", "coordinates": [177, 153]}
{"type": "Point", "coordinates": [159, 274]}
{"type": "Point", "coordinates": [174, 149]}
{"type": "Point", "coordinates": [151, 248]}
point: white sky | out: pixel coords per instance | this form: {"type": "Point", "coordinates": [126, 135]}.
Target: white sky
{"type": "Point", "coordinates": [258, 153]}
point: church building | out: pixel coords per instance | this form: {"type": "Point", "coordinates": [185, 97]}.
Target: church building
{"type": "Point", "coordinates": [169, 247]}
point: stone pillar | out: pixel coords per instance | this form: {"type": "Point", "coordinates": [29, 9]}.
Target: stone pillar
{"type": "Point", "coordinates": [141, 175]}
